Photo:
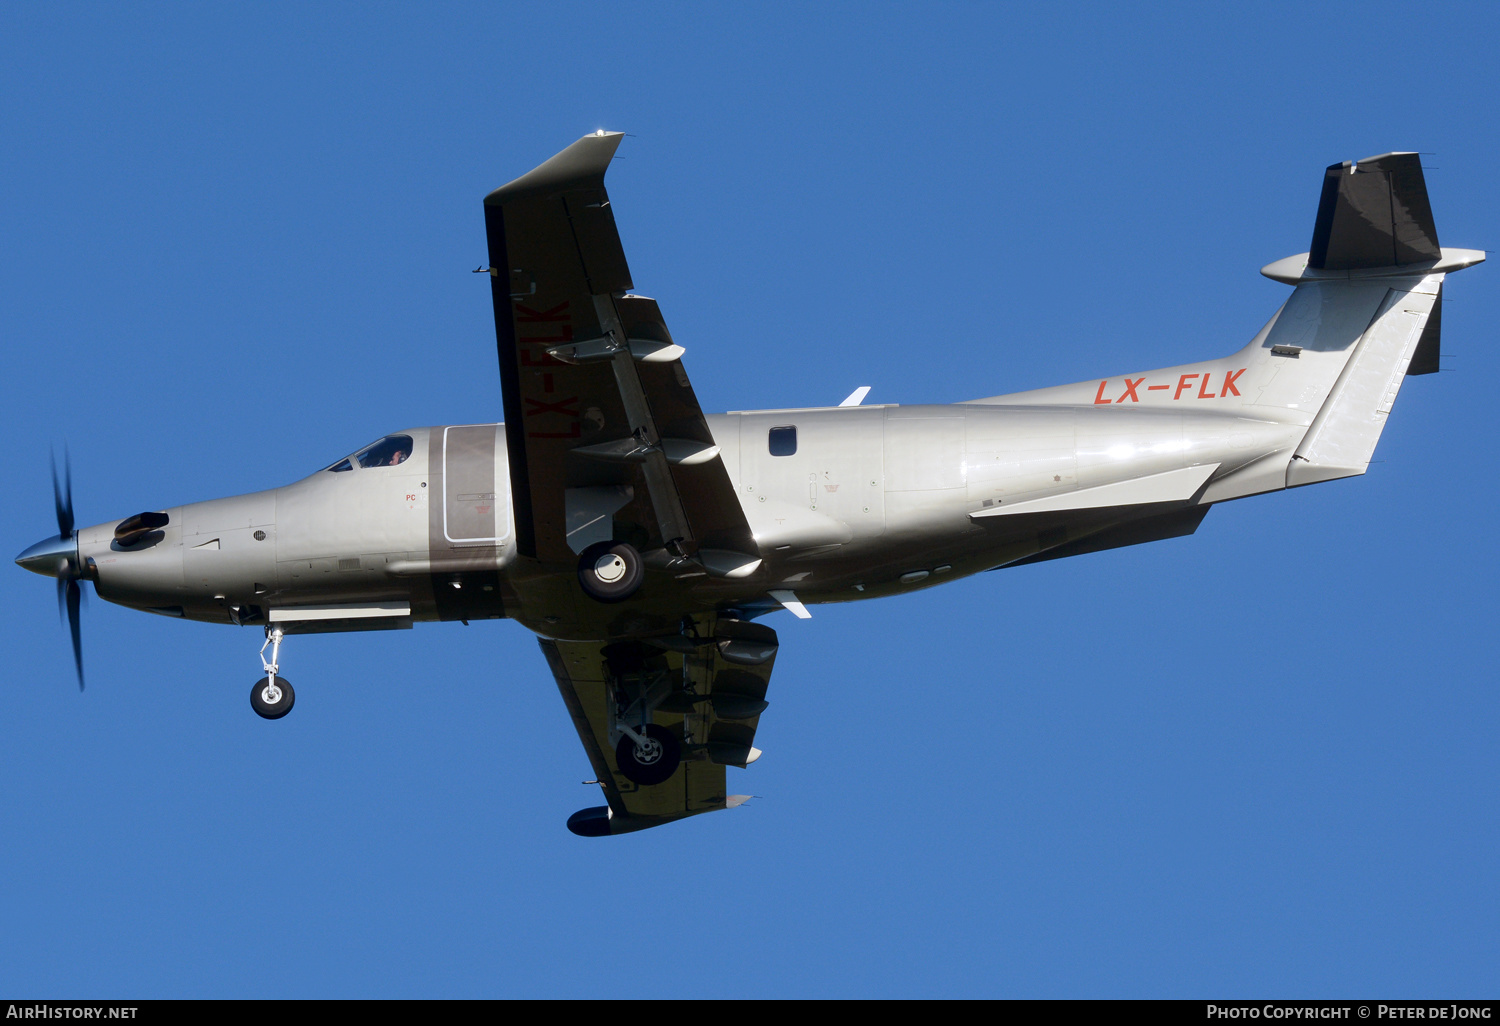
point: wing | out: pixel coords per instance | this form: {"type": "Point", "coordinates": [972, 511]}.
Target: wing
{"type": "Point", "coordinates": [706, 691]}
{"type": "Point", "coordinates": [605, 435]}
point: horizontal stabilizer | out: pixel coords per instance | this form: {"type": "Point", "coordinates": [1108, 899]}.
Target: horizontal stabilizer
{"type": "Point", "coordinates": [1172, 486]}
{"type": "Point", "coordinates": [1374, 213]}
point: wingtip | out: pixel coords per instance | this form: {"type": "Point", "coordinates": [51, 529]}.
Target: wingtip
{"type": "Point", "coordinates": [584, 162]}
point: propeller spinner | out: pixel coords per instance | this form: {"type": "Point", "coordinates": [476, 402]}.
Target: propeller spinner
{"type": "Point", "coordinates": [58, 557]}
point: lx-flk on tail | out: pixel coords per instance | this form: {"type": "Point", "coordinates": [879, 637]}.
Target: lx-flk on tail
{"type": "Point", "coordinates": [1317, 383]}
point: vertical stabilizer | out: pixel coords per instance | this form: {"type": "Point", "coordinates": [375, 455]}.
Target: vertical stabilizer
{"type": "Point", "coordinates": [1342, 437]}
{"type": "Point", "coordinates": [1374, 213]}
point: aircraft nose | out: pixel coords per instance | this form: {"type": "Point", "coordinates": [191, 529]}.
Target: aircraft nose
{"type": "Point", "coordinates": [51, 558]}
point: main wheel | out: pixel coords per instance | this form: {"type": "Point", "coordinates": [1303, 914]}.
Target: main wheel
{"type": "Point", "coordinates": [272, 699]}
{"type": "Point", "coordinates": [653, 762]}
{"type": "Point", "coordinates": [610, 571]}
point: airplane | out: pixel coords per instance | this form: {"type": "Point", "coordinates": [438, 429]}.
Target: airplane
{"type": "Point", "coordinates": [640, 539]}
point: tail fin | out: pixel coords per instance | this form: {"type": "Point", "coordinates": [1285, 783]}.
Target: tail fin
{"type": "Point", "coordinates": [1342, 436]}
{"type": "Point", "coordinates": [1374, 244]}
{"type": "Point", "coordinates": [1374, 213]}
{"type": "Point", "coordinates": [1365, 313]}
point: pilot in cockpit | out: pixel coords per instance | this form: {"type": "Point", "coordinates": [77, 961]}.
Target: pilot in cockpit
{"type": "Point", "coordinates": [390, 451]}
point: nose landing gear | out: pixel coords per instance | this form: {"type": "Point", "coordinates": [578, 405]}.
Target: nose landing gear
{"type": "Point", "coordinates": [272, 697]}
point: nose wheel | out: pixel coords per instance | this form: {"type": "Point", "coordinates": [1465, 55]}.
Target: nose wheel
{"type": "Point", "coordinates": [272, 696]}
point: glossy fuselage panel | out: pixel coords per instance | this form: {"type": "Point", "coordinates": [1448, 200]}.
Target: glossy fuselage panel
{"type": "Point", "coordinates": [432, 532]}
{"type": "Point", "coordinates": [871, 498]}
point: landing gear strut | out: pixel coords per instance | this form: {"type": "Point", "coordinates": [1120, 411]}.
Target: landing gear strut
{"type": "Point", "coordinates": [272, 697]}
{"type": "Point", "coordinates": [646, 753]}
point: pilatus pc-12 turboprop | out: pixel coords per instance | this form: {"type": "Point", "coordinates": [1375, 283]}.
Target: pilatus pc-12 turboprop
{"type": "Point", "coordinates": [639, 537]}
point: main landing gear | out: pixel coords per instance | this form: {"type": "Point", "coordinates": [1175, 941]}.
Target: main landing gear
{"type": "Point", "coordinates": [272, 697]}
{"type": "Point", "coordinates": [647, 753]}
{"type": "Point", "coordinates": [610, 571]}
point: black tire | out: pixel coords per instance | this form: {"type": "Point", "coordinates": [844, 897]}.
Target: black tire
{"type": "Point", "coordinates": [659, 765]}
{"type": "Point", "coordinates": [272, 710]}
{"type": "Point", "coordinates": [610, 571]}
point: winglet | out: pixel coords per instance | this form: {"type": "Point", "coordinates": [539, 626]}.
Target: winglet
{"type": "Point", "coordinates": [581, 164]}
{"type": "Point", "coordinates": [857, 396]}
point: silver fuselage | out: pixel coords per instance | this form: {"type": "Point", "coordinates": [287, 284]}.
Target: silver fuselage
{"type": "Point", "coordinates": [875, 500]}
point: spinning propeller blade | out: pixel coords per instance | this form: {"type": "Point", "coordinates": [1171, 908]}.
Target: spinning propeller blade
{"type": "Point", "coordinates": [62, 498]}
{"type": "Point", "coordinates": [75, 595]}
{"type": "Point", "coordinates": [68, 571]}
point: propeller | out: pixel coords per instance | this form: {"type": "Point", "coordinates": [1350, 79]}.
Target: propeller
{"type": "Point", "coordinates": [59, 557]}
{"type": "Point", "coordinates": [69, 591]}
{"type": "Point", "coordinates": [62, 496]}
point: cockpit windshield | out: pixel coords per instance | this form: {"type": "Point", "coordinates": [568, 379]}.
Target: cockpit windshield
{"type": "Point", "coordinates": [390, 451]}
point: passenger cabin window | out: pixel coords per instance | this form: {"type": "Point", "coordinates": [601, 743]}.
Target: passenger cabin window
{"type": "Point", "coordinates": [783, 441]}
{"type": "Point", "coordinates": [390, 451]}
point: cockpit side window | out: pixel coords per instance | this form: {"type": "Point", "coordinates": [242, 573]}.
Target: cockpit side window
{"type": "Point", "coordinates": [390, 451]}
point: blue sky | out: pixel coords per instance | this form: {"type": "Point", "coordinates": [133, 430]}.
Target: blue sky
{"type": "Point", "coordinates": [1258, 761]}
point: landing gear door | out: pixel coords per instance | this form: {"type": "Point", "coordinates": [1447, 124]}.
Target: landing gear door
{"type": "Point", "coordinates": [475, 512]}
